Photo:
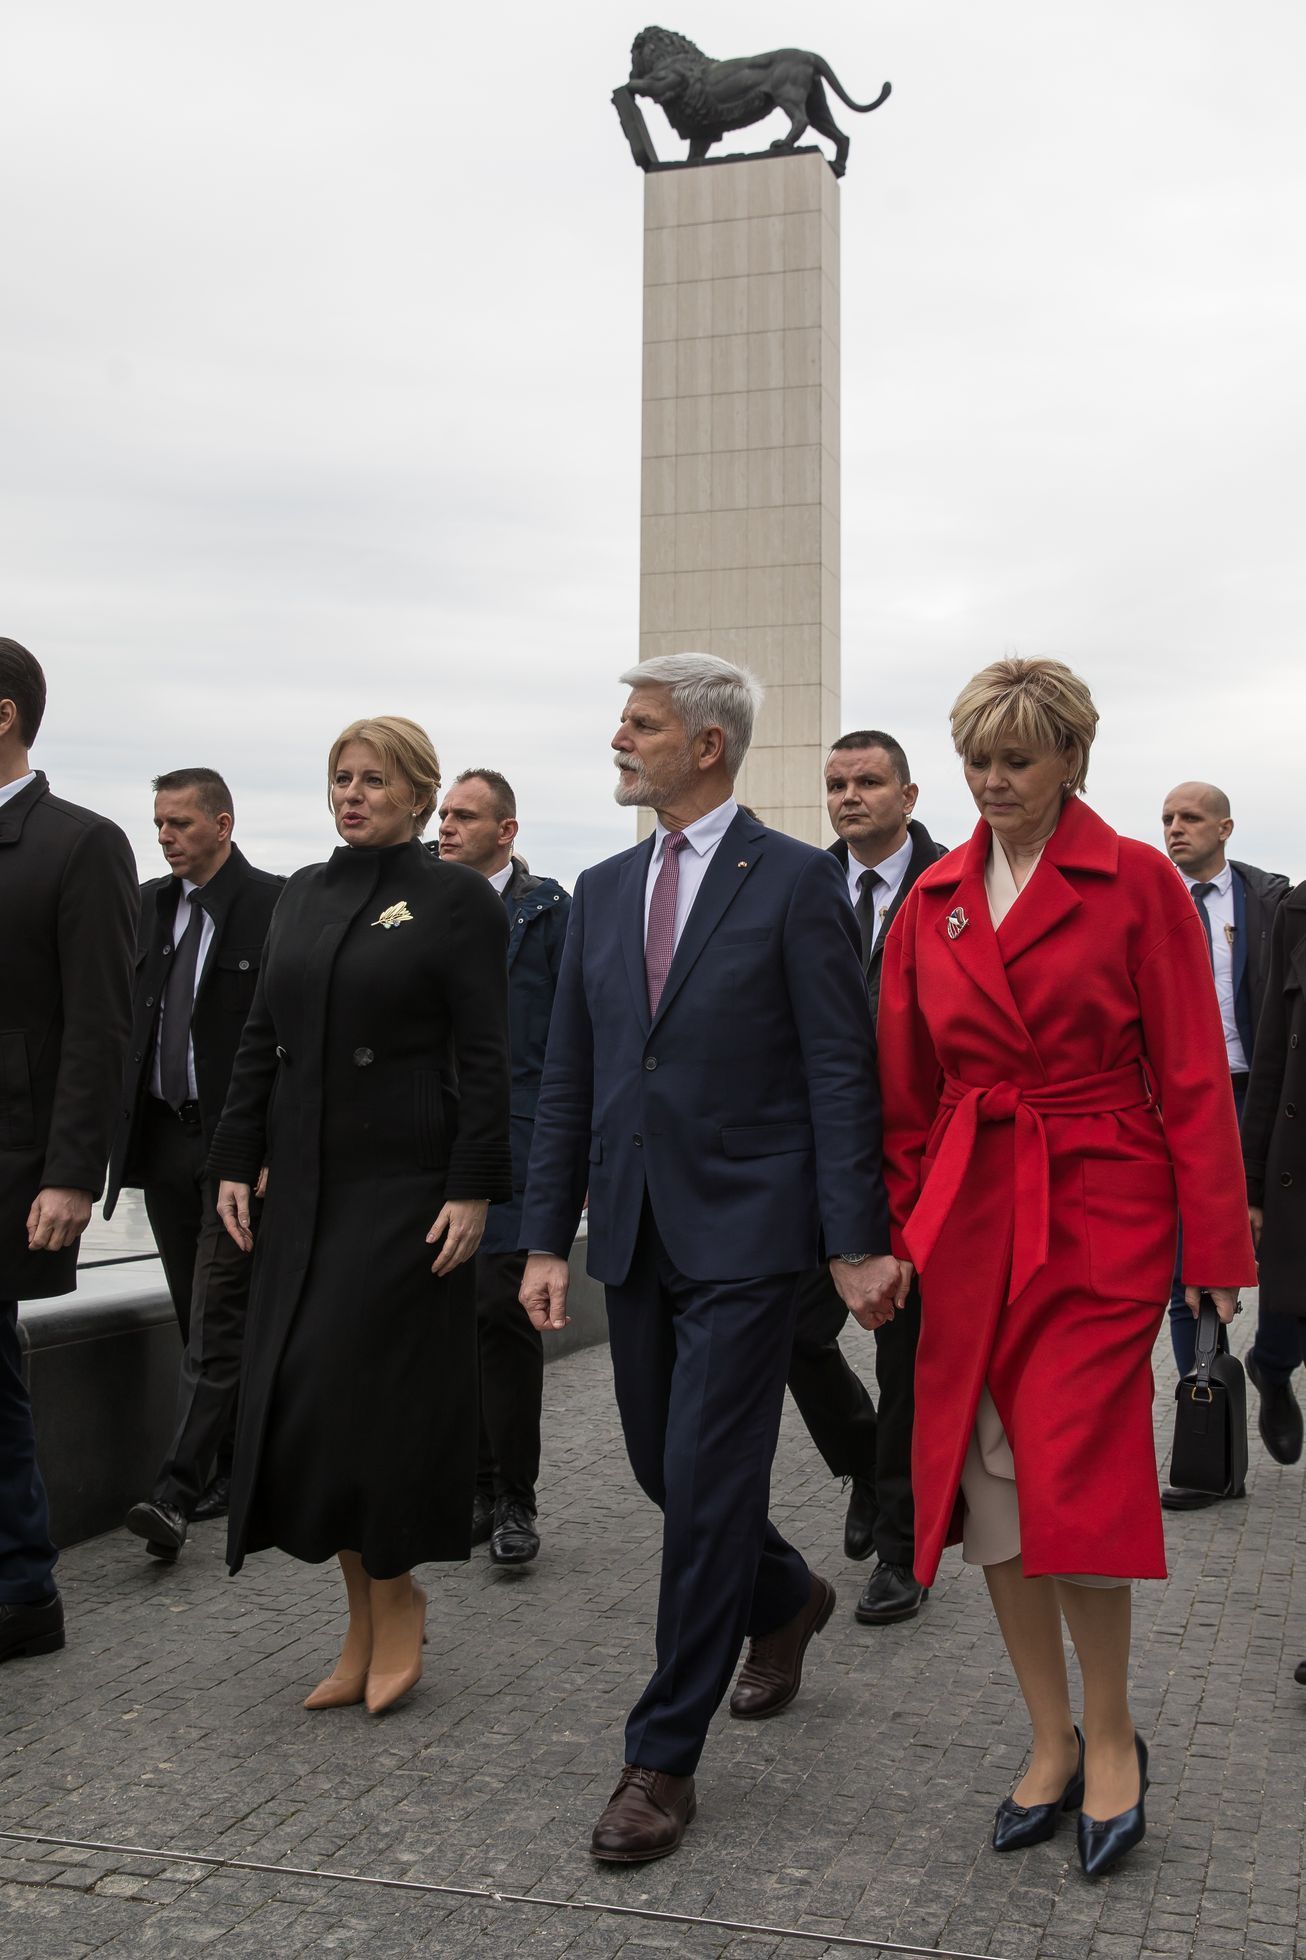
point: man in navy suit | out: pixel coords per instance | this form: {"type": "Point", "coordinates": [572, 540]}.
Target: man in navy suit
{"type": "Point", "coordinates": [1237, 903]}
{"type": "Point", "coordinates": [710, 1079]}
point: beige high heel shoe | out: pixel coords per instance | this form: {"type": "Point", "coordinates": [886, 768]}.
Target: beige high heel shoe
{"type": "Point", "coordinates": [338, 1691]}
{"type": "Point", "coordinates": [399, 1639]}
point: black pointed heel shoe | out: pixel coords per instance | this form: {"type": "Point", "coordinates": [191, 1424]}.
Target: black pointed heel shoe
{"type": "Point", "coordinates": [1102, 1845]}
{"type": "Point", "coordinates": [1018, 1825]}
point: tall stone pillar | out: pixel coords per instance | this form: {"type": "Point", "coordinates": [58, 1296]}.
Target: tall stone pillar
{"type": "Point", "coordinates": [740, 501]}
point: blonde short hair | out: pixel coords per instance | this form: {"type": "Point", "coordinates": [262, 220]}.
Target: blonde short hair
{"type": "Point", "coordinates": [1030, 704]}
{"type": "Point", "coordinates": [408, 760]}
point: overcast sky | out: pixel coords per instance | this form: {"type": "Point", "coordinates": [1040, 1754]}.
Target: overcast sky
{"type": "Point", "coordinates": [320, 374]}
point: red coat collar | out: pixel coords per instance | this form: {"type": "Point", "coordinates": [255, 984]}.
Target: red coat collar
{"type": "Point", "coordinates": [1080, 842]}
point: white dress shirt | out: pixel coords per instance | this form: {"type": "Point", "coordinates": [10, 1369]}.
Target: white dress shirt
{"type": "Point", "coordinates": [1219, 910]}
{"type": "Point", "coordinates": [12, 789]}
{"type": "Point", "coordinates": [186, 915]}
{"type": "Point", "coordinates": [890, 872]}
{"type": "Point", "coordinates": [702, 836]}
{"type": "Point", "coordinates": [499, 879]}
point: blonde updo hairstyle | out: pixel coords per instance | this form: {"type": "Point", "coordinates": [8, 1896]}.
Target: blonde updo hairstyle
{"type": "Point", "coordinates": [1038, 705]}
{"type": "Point", "coordinates": [408, 759]}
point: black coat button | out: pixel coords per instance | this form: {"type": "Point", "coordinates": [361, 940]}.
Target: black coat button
{"type": "Point", "coordinates": [282, 1056]}
{"type": "Point", "coordinates": [243, 965]}
{"type": "Point", "coordinates": [638, 1142]}
{"type": "Point", "coordinates": [149, 1000]}
{"type": "Point", "coordinates": [1285, 1177]}
{"type": "Point", "coordinates": [362, 1056]}
{"type": "Point", "coordinates": [1290, 1109]}
{"type": "Point", "coordinates": [651, 1062]}
{"type": "Point", "coordinates": [136, 1058]}
{"type": "Point", "coordinates": [1292, 1041]}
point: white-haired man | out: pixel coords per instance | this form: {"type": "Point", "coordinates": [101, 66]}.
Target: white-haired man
{"type": "Point", "coordinates": [710, 1079]}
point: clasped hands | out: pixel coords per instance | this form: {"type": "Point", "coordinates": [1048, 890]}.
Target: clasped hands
{"type": "Point", "coordinates": [873, 1290]}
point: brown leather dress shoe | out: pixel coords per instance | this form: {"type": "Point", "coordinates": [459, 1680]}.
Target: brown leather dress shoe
{"type": "Point", "coordinates": [647, 1815]}
{"type": "Point", "coordinates": [772, 1672]}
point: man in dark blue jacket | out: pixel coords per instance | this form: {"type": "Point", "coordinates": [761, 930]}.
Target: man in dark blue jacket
{"type": "Point", "coordinates": [478, 823]}
{"type": "Point", "coordinates": [710, 1079]}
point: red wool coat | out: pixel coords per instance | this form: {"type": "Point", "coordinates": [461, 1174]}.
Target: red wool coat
{"type": "Point", "coordinates": [1049, 1091]}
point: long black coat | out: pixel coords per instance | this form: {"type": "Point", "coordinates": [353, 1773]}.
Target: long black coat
{"type": "Point", "coordinates": [372, 1079]}
{"type": "Point", "coordinates": [68, 904]}
{"type": "Point", "coordinates": [1274, 1115]}
{"type": "Point", "coordinates": [240, 900]}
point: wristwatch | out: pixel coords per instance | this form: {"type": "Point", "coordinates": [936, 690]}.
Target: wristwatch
{"type": "Point", "coordinates": [854, 1258]}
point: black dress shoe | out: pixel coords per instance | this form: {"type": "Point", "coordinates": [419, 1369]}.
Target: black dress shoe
{"type": "Point", "coordinates": [215, 1503]}
{"type": "Point", "coordinates": [1018, 1825]}
{"type": "Point", "coordinates": [859, 1522]}
{"type": "Point", "coordinates": [1279, 1420]}
{"type": "Point", "coordinates": [514, 1540]}
{"type": "Point", "coordinates": [1175, 1498]}
{"type": "Point", "coordinates": [31, 1626]}
{"type": "Point", "coordinates": [1102, 1845]}
{"type": "Point", "coordinates": [162, 1528]}
{"type": "Point", "coordinates": [482, 1516]}
{"type": "Point", "coordinates": [891, 1593]}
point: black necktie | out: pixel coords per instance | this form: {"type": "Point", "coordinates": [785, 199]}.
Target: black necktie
{"type": "Point", "coordinates": [178, 1000]}
{"type": "Point", "coordinates": [865, 910]}
{"type": "Point", "coordinates": [1200, 895]}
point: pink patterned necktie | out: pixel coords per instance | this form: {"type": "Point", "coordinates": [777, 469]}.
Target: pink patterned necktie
{"type": "Point", "coordinates": [660, 942]}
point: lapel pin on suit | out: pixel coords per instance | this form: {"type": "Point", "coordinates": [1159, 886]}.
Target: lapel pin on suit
{"type": "Point", "coordinates": [957, 922]}
{"type": "Point", "coordinates": [742, 865]}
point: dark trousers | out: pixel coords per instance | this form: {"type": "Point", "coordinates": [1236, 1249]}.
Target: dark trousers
{"type": "Point", "coordinates": [699, 1368]}
{"type": "Point", "coordinates": [841, 1419]}
{"type": "Point", "coordinates": [512, 1380]}
{"type": "Point", "coordinates": [1278, 1346]}
{"type": "Point", "coordinates": [169, 1165]}
{"type": "Point", "coordinates": [26, 1554]}
{"type": "Point", "coordinates": [210, 1365]}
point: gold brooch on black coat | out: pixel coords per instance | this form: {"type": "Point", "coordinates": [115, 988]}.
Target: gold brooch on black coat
{"type": "Point", "coordinates": [395, 915]}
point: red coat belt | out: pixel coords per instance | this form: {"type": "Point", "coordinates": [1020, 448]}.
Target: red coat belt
{"type": "Point", "coordinates": [1007, 1102]}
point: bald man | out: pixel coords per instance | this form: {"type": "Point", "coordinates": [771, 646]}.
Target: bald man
{"type": "Point", "coordinates": [1237, 903]}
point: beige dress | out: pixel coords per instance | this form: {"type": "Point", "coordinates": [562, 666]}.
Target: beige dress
{"type": "Point", "coordinates": [991, 1526]}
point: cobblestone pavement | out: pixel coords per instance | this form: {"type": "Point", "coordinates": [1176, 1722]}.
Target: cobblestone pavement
{"type": "Point", "coordinates": [173, 1723]}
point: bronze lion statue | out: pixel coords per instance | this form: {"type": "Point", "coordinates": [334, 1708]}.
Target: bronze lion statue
{"type": "Point", "coordinates": [703, 99]}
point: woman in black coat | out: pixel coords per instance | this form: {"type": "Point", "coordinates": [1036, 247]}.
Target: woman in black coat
{"type": "Point", "coordinates": [372, 1081]}
{"type": "Point", "coordinates": [1274, 1125]}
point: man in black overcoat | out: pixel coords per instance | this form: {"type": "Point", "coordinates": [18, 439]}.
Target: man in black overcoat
{"type": "Point", "coordinates": [1237, 903]}
{"type": "Point", "coordinates": [68, 905]}
{"type": "Point", "coordinates": [198, 954]}
{"type": "Point", "coordinates": [478, 825]}
{"type": "Point", "coordinates": [882, 850]}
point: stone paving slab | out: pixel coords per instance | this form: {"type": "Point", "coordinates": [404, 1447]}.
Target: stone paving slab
{"type": "Point", "coordinates": [173, 1723]}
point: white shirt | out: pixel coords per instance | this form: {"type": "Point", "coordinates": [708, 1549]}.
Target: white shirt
{"type": "Point", "coordinates": [499, 879]}
{"type": "Point", "coordinates": [186, 914]}
{"type": "Point", "coordinates": [890, 871]}
{"type": "Point", "coordinates": [12, 789]}
{"type": "Point", "coordinates": [702, 836]}
{"type": "Point", "coordinates": [1219, 910]}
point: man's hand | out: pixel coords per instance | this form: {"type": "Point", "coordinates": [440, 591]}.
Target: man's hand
{"type": "Point", "coordinates": [1256, 1219]}
{"type": "Point", "coordinates": [461, 1225]}
{"type": "Point", "coordinates": [57, 1218]}
{"type": "Point", "coordinates": [233, 1210]}
{"type": "Point", "coordinates": [544, 1291]}
{"type": "Point", "coordinates": [871, 1291]}
{"type": "Point", "coordinates": [1226, 1300]}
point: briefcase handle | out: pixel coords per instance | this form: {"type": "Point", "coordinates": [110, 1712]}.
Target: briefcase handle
{"type": "Point", "coordinates": [1208, 1346]}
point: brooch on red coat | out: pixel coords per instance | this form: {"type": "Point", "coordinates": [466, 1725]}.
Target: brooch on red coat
{"type": "Point", "coordinates": [957, 922]}
{"type": "Point", "coordinates": [395, 915]}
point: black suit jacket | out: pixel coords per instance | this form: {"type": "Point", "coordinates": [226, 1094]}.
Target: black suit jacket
{"type": "Point", "coordinates": [1261, 895]}
{"type": "Point", "coordinates": [924, 853]}
{"type": "Point", "coordinates": [240, 901]}
{"type": "Point", "coordinates": [68, 904]}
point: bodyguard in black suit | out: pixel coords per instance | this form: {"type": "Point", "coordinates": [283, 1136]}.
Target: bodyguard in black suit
{"type": "Point", "coordinates": [67, 921]}
{"type": "Point", "coordinates": [710, 1079]}
{"type": "Point", "coordinates": [881, 851]}
{"type": "Point", "coordinates": [198, 955]}
{"type": "Point", "coordinates": [478, 825]}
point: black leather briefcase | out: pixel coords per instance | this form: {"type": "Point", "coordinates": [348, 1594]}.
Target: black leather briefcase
{"type": "Point", "coordinates": [1210, 1424]}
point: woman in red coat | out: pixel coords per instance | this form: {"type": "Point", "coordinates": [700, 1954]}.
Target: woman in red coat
{"type": "Point", "coordinates": [1055, 1092]}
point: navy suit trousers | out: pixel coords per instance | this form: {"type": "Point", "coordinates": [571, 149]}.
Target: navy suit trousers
{"type": "Point", "coordinates": [699, 1368]}
{"type": "Point", "coordinates": [26, 1554]}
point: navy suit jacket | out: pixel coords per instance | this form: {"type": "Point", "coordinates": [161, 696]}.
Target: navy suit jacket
{"type": "Point", "coordinates": [748, 1107]}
